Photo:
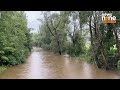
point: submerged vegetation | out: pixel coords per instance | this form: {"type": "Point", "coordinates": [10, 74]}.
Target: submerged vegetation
{"type": "Point", "coordinates": [81, 34]}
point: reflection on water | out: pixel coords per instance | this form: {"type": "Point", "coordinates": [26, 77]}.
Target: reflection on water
{"type": "Point", "coordinates": [46, 65]}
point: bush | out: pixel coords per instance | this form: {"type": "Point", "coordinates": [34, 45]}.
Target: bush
{"type": "Point", "coordinates": [10, 56]}
{"type": "Point", "coordinates": [2, 68]}
{"type": "Point", "coordinates": [3, 60]}
{"type": "Point", "coordinates": [45, 46]}
{"type": "Point", "coordinates": [118, 65]}
{"type": "Point", "coordinates": [2, 53]}
{"type": "Point", "coordinates": [15, 38]}
{"type": "Point", "coordinates": [9, 50]}
{"type": "Point", "coordinates": [12, 60]}
{"type": "Point", "coordinates": [19, 55]}
{"type": "Point", "coordinates": [75, 50]}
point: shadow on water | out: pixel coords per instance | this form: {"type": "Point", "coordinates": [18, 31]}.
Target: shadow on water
{"type": "Point", "coordinates": [42, 64]}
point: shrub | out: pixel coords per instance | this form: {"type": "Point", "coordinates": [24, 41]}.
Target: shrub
{"type": "Point", "coordinates": [118, 65]}
{"type": "Point", "coordinates": [9, 50]}
{"type": "Point", "coordinates": [12, 60]}
{"type": "Point", "coordinates": [2, 53]}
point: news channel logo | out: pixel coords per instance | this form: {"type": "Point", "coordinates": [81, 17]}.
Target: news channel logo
{"type": "Point", "coordinates": [108, 18]}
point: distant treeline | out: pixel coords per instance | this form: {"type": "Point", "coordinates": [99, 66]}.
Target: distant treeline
{"type": "Point", "coordinates": [64, 32]}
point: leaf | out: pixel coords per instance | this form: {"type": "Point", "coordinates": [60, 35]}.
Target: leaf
{"type": "Point", "coordinates": [4, 58]}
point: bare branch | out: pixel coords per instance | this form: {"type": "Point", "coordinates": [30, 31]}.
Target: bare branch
{"type": "Point", "coordinates": [91, 26]}
{"type": "Point", "coordinates": [56, 25]}
{"type": "Point", "coordinates": [49, 28]}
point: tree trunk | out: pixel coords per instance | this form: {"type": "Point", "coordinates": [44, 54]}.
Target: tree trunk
{"type": "Point", "coordinates": [98, 42]}
{"type": "Point", "coordinates": [59, 49]}
{"type": "Point", "coordinates": [95, 55]}
{"type": "Point", "coordinates": [97, 61]}
{"type": "Point", "coordinates": [102, 48]}
{"type": "Point", "coordinates": [95, 48]}
{"type": "Point", "coordinates": [80, 25]}
{"type": "Point", "coordinates": [91, 34]}
{"type": "Point", "coordinates": [104, 58]}
{"type": "Point", "coordinates": [58, 42]}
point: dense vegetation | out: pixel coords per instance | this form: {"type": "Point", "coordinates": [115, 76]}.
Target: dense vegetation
{"type": "Point", "coordinates": [77, 33]}
{"type": "Point", "coordinates": [70, 31]}
{"type": "Point", "coordinates": [15, 38]}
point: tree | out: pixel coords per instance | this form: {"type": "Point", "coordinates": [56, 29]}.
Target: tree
{"type": "Point", "coordinates": [14, 37]}
{"type": "Point", "coordinates": [54, 27]}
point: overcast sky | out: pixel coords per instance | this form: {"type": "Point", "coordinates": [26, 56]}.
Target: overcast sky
{"type": "Point", "coordinates": [32, 17]}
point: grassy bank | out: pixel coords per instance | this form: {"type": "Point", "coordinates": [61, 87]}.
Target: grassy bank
{"type": "Point", "coordinates": [2, 68]}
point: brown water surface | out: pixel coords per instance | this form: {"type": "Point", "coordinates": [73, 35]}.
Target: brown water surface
{"type": "Point", "coordinates": [46, 65]}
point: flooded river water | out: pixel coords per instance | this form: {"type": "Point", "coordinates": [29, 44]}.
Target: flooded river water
{"type": "Point", "coordinates": [42, 64]}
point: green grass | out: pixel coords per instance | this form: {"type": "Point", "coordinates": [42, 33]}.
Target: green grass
{"type": "Point", "coordinates": [2, 68]}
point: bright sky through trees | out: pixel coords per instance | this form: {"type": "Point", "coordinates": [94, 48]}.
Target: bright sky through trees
{"type": "Point", "coordinates": [32, 17]}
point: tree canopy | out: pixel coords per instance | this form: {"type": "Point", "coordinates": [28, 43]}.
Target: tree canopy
{"type": "Point", "coordinates": [15, 37]}
{"type": "Point", "coordinates": [66, 32]}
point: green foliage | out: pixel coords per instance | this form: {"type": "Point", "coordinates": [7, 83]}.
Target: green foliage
{"type": "Point", "coordinates": [9, 50]}
{"type": "Point", "coordinates": [77, 48]}
{"type": "Point", "coordinates": [2, 53]}
{"type": "Point", "coordinates": [15, 37]}
{"type": "Point", "coordinates": [113, 51]}
{"type": "Point", "coordinates": [12, 60]}
{"type": "Point", "coordinates": [65, 32]}
{"type": "Point", "coordinates": [2, 68]}
{"type": "Point", "coordinates": [118, 65]}
{"type": "Point", "coordinates": [4, 58]}
{"type": "Point", "coordinates": [56, 39]}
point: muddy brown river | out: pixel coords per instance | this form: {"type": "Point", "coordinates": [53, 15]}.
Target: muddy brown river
{"type": "Point", "coordinates": [42, 64]}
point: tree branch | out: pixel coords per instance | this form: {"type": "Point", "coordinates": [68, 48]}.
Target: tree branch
{"type": "Point", "coordinates": [49, 29]}
{"type": "Point", "coordinates": [91, 26]}
{"type": "Point", "coordinates": [56, 25]}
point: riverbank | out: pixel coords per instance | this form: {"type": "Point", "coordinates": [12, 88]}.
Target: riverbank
{"type": "Point", "coordinates": [3, 68]}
